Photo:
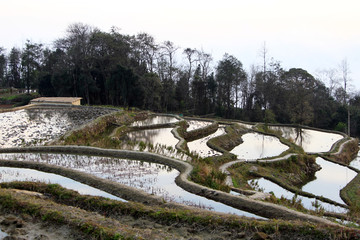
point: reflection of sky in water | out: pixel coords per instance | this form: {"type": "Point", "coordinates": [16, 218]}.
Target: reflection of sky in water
{"type": "Point", "coordinates": [199, 146]}
{"type": "Point", "coordinates": [356, 162]}
{"type": "Point", "coordinates": [195, 124]}
{"type": "Point", "coordinates": [22, 174]}
{"type": "Point", "coordinates": [257, 146]}
{"type": "Point", "coordinates": [245, 125]}
{"type": "Point", "coordinates": [3, 234]}
{"type": "Point", "coordinates": [150, 177]}
{"type": "Point", "coordinates": [330, 180]}
{"type": "Point", "coordinates": [269, 186]}
{"type": "Point", "coordinates": [154, 120]}
{"type": "Point", "coordinates": [161, 136]}
{"type": "Point", "coordinates": [310, 140]}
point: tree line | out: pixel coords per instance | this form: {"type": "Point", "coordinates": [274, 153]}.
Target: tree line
{"type": "Point", "coordinates": [110, 68]}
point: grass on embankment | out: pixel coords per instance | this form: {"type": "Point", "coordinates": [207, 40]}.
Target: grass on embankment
{"type": "Point", "coordinates": [17, 99]}
{"type": "Point", "coordinates": [290, 174]}
{"type": "Point", "coordinates": [97, 133]}
{"type": "Point", "coordinates": [100, 133]}
{"type": "Point", "coordinates": [351, 195]}
{"type": "Point", "coordinates": [348, 152]}
{"type": "Point", "coordinates": [58, 207]}
{"type": "Point", "coordinates": [297, 170]}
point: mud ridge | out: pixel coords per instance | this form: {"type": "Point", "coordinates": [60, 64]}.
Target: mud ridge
{"type": "Point", "coordinates": [264, 209]}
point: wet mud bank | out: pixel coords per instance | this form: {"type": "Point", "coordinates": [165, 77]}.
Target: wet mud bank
{"type": "Point", "coordinates": [39, 125]}
{"type": "Point", "coordinates": [263, 209]}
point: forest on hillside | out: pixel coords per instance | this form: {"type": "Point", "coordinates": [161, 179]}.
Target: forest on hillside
{"type": "Point", "coordinates": [110, 68]}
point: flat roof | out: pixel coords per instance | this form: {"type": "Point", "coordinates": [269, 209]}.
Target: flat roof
{"type": "Point", "coordinates": [68, 100]}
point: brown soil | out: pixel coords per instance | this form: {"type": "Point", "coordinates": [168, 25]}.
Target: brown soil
{"type": "Point", "coordinates": [5, 105]}
{"type": "Point", "coordinates": [26, 227]}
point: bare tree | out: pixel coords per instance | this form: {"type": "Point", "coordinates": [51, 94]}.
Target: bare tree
{"type": "Point", "coordinates": [263, 54]}
{"type": "Point", "coordinates": [3, 63]}
{"type": "Point", "coordinates": [147, 49]}
{"type": "Point", "coordinates": [189, 53]}
{"type": "Point", "coordinates": [330, 78]}
{"type": "Point", "coordinates": [263, 80]}
{"type": "Point", "coordinates": [169, 50]}
{"type": "Point", "coordinates": [345, 72]}
{"type": "Point", "coordinates": [204, 60]}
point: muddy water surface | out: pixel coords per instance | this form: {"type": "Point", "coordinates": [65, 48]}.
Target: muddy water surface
{"type": "Point", "coordinates": [152, 178]}
{"type": "Point", "coordinates": [201, 148]}
{"type": "Point", "coordinates": [37, 126]}
{"type": "Point", "coordinates": [9, 174]}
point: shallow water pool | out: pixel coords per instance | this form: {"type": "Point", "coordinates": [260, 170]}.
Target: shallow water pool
{"type": "Point", "coordinates": [268, 186]}
{"type": "Point", "coordinates": [256, 146]}
{"type": "Point", "coordinates": [152, 120]}
{"type": "Point", "coordinates": [152, 178]}
{"type": "Point", "coordinates": [195, 124]}
{"type": "Point", "coordinates": [309, 140]}
{"type": "Point", "coordinates": [329, 180]}
{"type": "Point", "coordinates": [201, 148]}
{"type": "Point", "coordinates": [160, 136]}
{"type": "Point", "coordinates": [9, 174]}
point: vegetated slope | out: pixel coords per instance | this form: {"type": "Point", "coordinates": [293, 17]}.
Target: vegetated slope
{"type": "Point", "coordinates": [139, 221]}
{"type": "Point", "coordinates": [99, 218]}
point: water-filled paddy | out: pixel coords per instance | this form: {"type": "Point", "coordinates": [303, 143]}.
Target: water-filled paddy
{"type": "Point", "coordinates": [24, 127]}
{"type": "Point", "coordinates": [3, 234]}
{"type": "Point", "coordinates": [161, 136]}
{"type": "Point", "coordinates": [268, 186]}
{"type": "Point", "coordinates": [9, 174]}
{"type": "Point", "coordinates": [201, 148]}
{"type": "Point", "coordinates": [152, 120]}
{"type": "Point", "coordinates": [328, 183]}
{"type": "Point", "coordinates": [35, 126]}
{"type": "Point", "coordinates": [150, 177]}
{"type": "Point", "coordinates": [245, 125]}
{"type": "Point", "coordinates": [356, 162]}
{"type": "Point", "coordinates": [330, 180]}
{"type": "Point", "coordinates": [256, 146]}
{"type": "Point", "coordinates": [195, 124]}
{"type": "Point", "coordinates": [309, 140]}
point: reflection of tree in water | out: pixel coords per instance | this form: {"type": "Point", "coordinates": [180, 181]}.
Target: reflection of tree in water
{"type": "Point", "coordinates": [155, 120]}
{"type": "Point", "coordinates": [301, 136]}
{"type": "Point", "coordinates": [144, 135]}
{"type": "Point", "coordinates": [153, 136]}
{"type": "Point", "coordinates": [266, 144]}
{"type": "Point", "coordinates": [134, 173]}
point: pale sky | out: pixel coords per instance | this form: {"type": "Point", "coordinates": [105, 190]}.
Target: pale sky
{"type": "Point", "coordinates": [308, 34]}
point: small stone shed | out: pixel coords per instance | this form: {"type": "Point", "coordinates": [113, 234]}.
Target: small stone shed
{"type": "Point", "coordinates": [57, 100]}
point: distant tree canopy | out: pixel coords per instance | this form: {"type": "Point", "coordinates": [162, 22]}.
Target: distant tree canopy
{"type": "Point", "coordinates": [111, 68]}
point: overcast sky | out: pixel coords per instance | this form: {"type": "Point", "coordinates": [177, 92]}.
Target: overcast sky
{"type": "Point", "coordinates": [308, 34]}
